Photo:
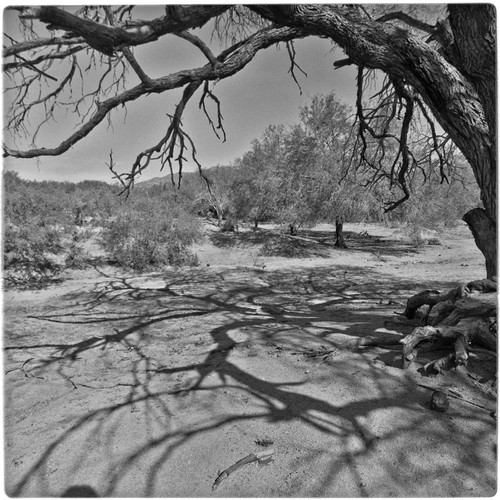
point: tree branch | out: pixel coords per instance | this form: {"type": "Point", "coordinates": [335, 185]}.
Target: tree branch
{"type": "Point", "coordinates": [107, 39]}
{"type": "Point", "coordinates": [127, 52]}
{"type": "Point", "coordinates": [197, 42]}
{"type": "Point", "coordinates": [410, 21]}
{"type": "Point", "coordinates": [17, 48]}
{"type": "Point", "coordinates": [293, 64]}
{"type": "Point", "coordinates": [208, 93]}
{"type": "Point", "coordinates": [230, 62]}
{"type": "Point", "coordinates": [167, 145]}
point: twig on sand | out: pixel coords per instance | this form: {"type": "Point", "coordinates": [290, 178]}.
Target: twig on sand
{"type": "Point", "coordinates": [253, 457]}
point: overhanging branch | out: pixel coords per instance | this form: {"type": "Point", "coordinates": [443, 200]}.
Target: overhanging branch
{"type": "Point", "coordinates": [107, 39]}
{"type": "Point", "coordinates": [230, 62]}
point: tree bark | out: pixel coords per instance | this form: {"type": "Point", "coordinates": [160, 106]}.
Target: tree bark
{"type": "Point", "coordinates": [427, 297]}
{"type": "Point", "coordinates": [339, 233]}
{"type": "Point", "coordinates": [107, 39]}
{"type": "Point", "coordinates": [484, 231]}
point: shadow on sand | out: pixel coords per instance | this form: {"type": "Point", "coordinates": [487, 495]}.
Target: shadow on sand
{"type": "Point", "coordinates": [185, 354]}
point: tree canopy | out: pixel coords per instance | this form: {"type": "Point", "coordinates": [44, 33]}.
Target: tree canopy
{"type": "Point", "coordinates": [439, 68]}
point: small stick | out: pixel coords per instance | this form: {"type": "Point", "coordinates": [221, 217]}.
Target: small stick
{"type": "Point", "coordinates": [253, 457]}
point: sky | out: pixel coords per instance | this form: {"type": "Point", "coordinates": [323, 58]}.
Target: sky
{"type": "Point", "coordinates": [263, 93]}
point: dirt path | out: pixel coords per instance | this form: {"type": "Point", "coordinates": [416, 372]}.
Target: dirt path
{"type": "Point", "coordinates": [152, 385]}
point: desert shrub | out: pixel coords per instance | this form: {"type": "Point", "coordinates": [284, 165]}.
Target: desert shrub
{"type": "Point", "coordinates": [148, 233]}
{"type": "Point", "coordinates": [30, 253]}
{"type": "Point", "coordinates": [414, 232]}
{"type": "Point", "coordinates": [434, 241]}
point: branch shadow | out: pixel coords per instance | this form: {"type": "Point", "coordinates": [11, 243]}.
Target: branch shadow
{"type": "Point", "coordinates": [177, 384]}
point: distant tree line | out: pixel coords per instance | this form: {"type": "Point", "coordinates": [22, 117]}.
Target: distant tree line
{"type": "Point", "coordinates": [294, 176]}
{"type": "Point", "coordinates": [303, 174]}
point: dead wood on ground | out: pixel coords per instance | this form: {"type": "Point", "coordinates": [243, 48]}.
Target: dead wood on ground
{"type": "Point", "coordinates": [456, 329]}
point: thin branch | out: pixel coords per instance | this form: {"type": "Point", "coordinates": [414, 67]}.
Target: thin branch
{"type": "Point", "coordinates": [293, 64]}
{"type": "Point", "coordinates": [197, 42]}
{"type": "Point", "coordinates": [435, 141]}
{"type": "Point", "coordinates": [403, 146]}
{"type": "Point", "coordinates": [208, 93]}
{"type": "Point", "coordinates": [166, 147]}
{"type": "Point", "coordinates": [17, 119]}
{"type": "Point", "coordinates": [116, 175]}
{"type": "Point", "coordinates": [135, 65]}
{"type": "Point", "coordinates": [17, 48]}
{"type": "Point", "coordinates": [30, 65]}
{"type": "Point", "coordinates": [126, 50]}
{"type": "Point", "coordinates": [47, 57]}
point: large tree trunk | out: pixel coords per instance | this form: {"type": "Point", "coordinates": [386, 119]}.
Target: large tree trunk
{"type": "Point", "coordinates": [484, 231]}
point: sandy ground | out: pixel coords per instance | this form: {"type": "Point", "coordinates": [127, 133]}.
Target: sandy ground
{"type": "Point", "coordinates": [151, 385]}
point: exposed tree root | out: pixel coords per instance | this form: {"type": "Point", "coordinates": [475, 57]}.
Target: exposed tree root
{"type": "Point", "coordinates": [457, 329]}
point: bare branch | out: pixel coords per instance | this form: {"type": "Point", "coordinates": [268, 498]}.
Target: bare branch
{"type": "Point", "coordinates": [116, 175]}
{"type": "Point", "coordinates": [135, 65]}
{"type": "Point", "coordinates": [208, 93]}
{"type": "Point", "coordinates": [107, 39]}
{"type": "Point", "coordinates": [293, 64]}
{"type": "Point", "coordinates": [17, 48]}
{"type": "Point", "coordinates": [19, 117]}
{"type": "Point", "coordinates": [31, 66]}
{"type": "Point", "coordinates": [403, 148]}
{"type": "Point", "coordinates": [166, 148]}
{"type": "Point", "coordinates": [126, 50]}
{"type": "Point", "coordinates": [410, 21]}
{"type": "Point", "coordinates": [231, 61]}
{"type": "Point", "coordinates": [436, 145]}
{"type": "Point", "coordinates": [47, 57]}
{"type": "Point", "coordinates": [197, 42]}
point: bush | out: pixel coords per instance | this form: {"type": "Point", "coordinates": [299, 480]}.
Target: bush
{"type": "Point", "coordinates": [148, 234]}
{"type": "Point", "coordinates": [29, 253]}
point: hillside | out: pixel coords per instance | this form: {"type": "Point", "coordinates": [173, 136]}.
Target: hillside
{"type": "Point", "coordinates": [187, 177]}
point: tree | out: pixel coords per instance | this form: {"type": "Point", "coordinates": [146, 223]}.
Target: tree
{"type": "Point", "coordinates": [444, 69]}
{"type": "Point", "coordinates": [298, 175]}
{"type": "Point", "coordinates": [217, 192]}
{"type": "Point", "coordinates": [257, 186]}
